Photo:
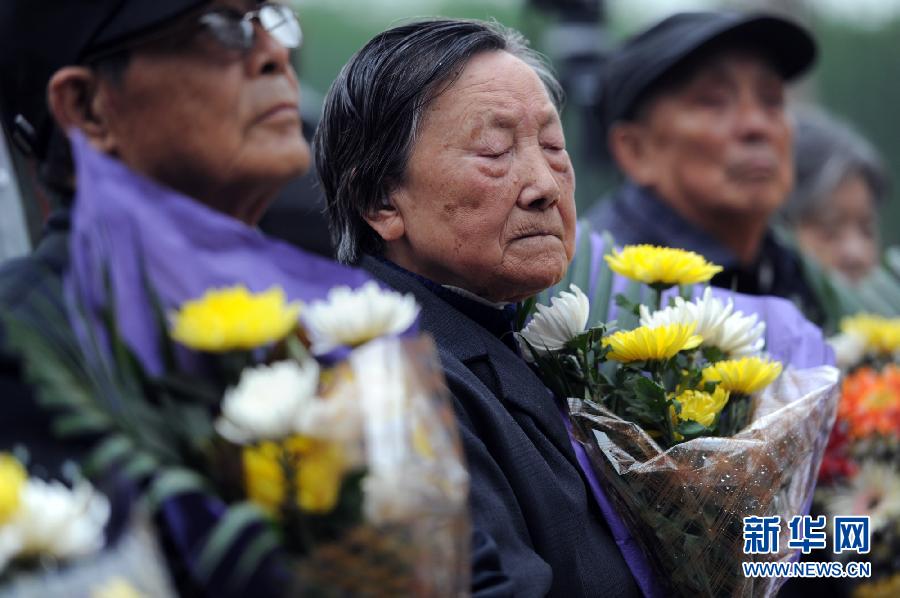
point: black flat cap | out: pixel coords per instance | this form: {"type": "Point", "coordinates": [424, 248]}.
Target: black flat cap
{"type": "Point", "coordinates": [645, 58]}
{"type": "Point", "coordinates": [38, 37]}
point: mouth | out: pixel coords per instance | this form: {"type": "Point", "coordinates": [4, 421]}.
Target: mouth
{"type": "Point", "coordinates": [754, 171]}
{"type": "Point", "coordinates": [281, 111]}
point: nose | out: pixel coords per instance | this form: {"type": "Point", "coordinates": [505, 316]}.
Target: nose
{"type": "Point", "coordinates": [268, 56]}
{"type": "Point", "coordinates": [857, 255]}
{"type": "Point", "coordinates": [540, 190]}
{"type": "Point", "coordinates": [757, 121]}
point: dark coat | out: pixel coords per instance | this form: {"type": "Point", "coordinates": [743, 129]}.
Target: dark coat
{"type": "Point", "coordinates": [24, 283]}
{"type": "Point", "coordinates": [527, 490]}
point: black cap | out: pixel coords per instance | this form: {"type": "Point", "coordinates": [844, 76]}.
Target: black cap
{"type": "Point", "coordinates": [38, 37]}
{"type": "Point", "coordinates": [645, 58]}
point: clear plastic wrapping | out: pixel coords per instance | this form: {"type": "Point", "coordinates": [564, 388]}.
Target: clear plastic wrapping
{"type": "Point", "coordinates": [685, 506]}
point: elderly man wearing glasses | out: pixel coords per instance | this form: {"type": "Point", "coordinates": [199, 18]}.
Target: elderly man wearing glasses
{"type": "Point", "coordinates": [195, 101]}
{"type": "Point", "coordinates": [197, 96]}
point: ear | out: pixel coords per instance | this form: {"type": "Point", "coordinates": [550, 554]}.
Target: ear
{"type": "Point", "coordinates": [78, 99]}
{"type": "Point", "coordinates": [629, 144]}
{"type": "Point", "coordinates": [388, 220]}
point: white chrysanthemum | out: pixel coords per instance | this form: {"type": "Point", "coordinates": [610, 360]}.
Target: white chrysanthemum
{"type": "Point", "coordinates": [57, 521]}
{"type": "Point", "coordinates": [267, 401]}
{"type": "Point", "coordinates": [874, 491]}
{"type": "Point", "coordinates": [849, 349]}
{"type": "Point", "coordinates": [552, 327]}
{"type": "Point", "coordinates": [730, 331]}
{"type": "Point", "coordinates": [353, 317]}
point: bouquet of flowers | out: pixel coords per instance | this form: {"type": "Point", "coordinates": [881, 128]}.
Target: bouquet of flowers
{"type": "Point", "coordinates": [316, 423]}
{"type": "Point", "coordinates": [860, 474]}
{"type": "Point", "coordinates": [688, 424]}
{"type": "Point", "coordinates": [278, 411]}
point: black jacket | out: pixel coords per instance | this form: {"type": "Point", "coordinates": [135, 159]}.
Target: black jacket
{"type": "Point", "coordinates": [527, 490]}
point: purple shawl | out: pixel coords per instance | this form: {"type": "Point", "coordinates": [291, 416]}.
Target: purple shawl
{"type": "Point", "coordinates": [128, 230]}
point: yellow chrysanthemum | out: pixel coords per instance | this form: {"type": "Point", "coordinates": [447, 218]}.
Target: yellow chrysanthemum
{"type": "Point", "coordinates": [663, 266]}
{"type": "Point", "coordinates": [880, 334]}
{"type": "Point", "coordinates": [646, 343]}
{"type": "Point", "coordinates": [234, 318]}
{"type": "Point", "coordinates": [701, 407]}
{"type": "Point", "coordinates": [12, 479]}
{"type": "Point", "coordinates": [743, 376]}
{"type": "Point", "coordinates": [319, 468]}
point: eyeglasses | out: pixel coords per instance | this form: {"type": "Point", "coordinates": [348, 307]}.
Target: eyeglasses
{"type": "Point", "coordinates": [232, 29]}
{"type": "Point", "coordinates": [235, 31]}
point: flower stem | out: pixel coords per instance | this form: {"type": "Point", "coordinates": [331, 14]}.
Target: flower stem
{"type": "Point", "coordinates": [655, 297]}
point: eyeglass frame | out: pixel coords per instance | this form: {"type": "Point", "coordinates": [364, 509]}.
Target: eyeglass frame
{"type": "Point", "coordinates": [248, 17]}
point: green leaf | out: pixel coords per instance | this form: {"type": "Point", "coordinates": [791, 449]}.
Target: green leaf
{"type": "Point", "coordinates": [691, 429]}
{"type": "Point", "coordinates": [226, 533]}
{"type": "Point", "coordinates": [296, 349]}
{"type": "Point", "coordinates": [111, 450]}
{"type": "Point", "coordinates": [631, 299]}
{"type": "Point", "coordinates": [173, 482]}
{"type": "Point", "coordinates": [601, 299]}
{"type": "Point", "coordinates": [252, 556]}
{"type": "Point", "coordinates": [141, 466]}
{"type": "Point", "coordinates": [87, 422]}
{"type": "Point", "coordinates": [579, 272]}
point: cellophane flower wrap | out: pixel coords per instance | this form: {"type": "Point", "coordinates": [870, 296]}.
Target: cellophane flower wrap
{"type": "Point", "coordinates": [685, 506]}
{"type": "Point", "coordinates": [279, 412]}
{"type": "Point", "coordinates": [686, 422]}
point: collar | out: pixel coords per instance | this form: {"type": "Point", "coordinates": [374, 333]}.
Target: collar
{"type": "Point", "coordinates": [654, 221]}
{"type": "Point", "coordinates": [497, 318]}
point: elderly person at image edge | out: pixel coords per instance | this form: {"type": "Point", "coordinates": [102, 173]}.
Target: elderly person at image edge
{"type": "Point", "coordinates": [190, 93]}
{"type": "Point", "coordinates": [693, 112]}
{"type": "Point", "coordinates": [840, 182]}
{"type": "Point", "coordinates": [443, 160]}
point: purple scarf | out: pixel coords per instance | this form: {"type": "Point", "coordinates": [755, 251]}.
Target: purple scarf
{"type": "Point", "coordinates": [128, 230]}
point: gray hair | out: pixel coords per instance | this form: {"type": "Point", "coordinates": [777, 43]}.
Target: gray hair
{"type": "Point", "coordinates": [374, 107]}
{"type": "Point", "coordinates": [826, 151]}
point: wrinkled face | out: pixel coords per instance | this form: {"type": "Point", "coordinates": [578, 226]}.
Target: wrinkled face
{"type": "Point", "coordinates": [842, 234]}
{"type": "Point", "coordinates": [215, 123]}
{"type": "Point", "coordinates": [488, 199]}
{"type": "Point", "coordinates": [721, 143]}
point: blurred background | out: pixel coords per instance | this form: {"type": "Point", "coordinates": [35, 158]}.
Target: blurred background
{"type": "Point", "coordinates": [856, 78]}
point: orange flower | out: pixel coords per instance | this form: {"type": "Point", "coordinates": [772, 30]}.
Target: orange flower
{"type": "Point", "coordinates": [870, 402]}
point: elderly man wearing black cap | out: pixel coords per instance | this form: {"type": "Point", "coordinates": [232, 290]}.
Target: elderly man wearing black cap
{"type": "Point", "coordinates": [197, 95]}
{"type": "Point", "coordinates": [694, 116]}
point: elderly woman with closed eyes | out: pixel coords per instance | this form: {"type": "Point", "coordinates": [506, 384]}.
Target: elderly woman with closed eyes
{"type": "Point", "coordinates": [443, 159]}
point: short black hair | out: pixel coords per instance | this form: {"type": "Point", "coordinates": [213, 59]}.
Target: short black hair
{"type": "Point", "coordinates": [373, 109]}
